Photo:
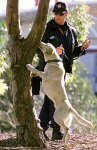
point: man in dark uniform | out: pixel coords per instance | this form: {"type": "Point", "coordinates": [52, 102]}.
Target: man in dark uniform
{"type": "Point", "coordinates": [62, 35]}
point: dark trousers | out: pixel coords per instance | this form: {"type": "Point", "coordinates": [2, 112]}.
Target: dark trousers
{"type": "Point", "coordinates": [46, 115]}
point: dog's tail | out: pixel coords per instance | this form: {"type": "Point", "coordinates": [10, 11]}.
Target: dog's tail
{"type": "Point", "coordinates": [80, 119]}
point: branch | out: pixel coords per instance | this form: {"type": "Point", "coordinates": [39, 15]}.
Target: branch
{"type": "Point", "coordinates": [12, 19]}
{"type": "Point", "coordinates": [39, 24]}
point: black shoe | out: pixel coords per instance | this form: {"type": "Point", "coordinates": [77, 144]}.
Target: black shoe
{"type": "Point", "coordinates": [46, 137]}
{"type": "Point", "coordinates": [57, 135]}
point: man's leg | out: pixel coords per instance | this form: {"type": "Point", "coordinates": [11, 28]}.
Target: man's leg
{"type": "Point", "coordinates": [46, 115]}
{"type": "Point", "coordinates": [56, 134]}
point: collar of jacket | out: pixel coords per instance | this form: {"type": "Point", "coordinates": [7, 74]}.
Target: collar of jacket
{"type": "Point", "coordinates": [53, 25]}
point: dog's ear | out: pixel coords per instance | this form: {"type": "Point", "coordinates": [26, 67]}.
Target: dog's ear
{"type": "Point", "coordinates": [49, 51]}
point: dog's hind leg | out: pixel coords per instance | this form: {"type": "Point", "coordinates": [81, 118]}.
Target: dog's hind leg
{"type": "Point", "coordinates": [66, 126]}
{"type": "Point", "coordinates": [66, 136]}
{"type": "Point", "coordinates": [35, 71]}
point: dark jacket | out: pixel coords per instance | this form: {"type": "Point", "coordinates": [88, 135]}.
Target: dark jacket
{"type": "Point", "coordinates": [58, 35]}
{"type": "Point", "coordinates": [67, 37]}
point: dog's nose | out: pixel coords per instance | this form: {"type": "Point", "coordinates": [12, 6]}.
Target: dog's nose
{"type": "Point", "coordinates": [42, 44]}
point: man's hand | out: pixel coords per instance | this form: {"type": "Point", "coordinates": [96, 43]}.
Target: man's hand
{"type": "Point", "coordinates": [85, 44]}
{"type": "Point", "coordinates": [60, 49]}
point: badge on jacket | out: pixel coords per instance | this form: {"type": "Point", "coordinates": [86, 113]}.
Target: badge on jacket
{"type": "Point", "coordinates": [52, 37]}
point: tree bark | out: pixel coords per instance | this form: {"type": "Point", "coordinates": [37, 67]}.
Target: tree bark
{"type": "Point", "coordinates": [21, 52]}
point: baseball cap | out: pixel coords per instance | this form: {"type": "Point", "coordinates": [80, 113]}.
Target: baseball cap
{"type": "Point", "coordinates": [60, 8]}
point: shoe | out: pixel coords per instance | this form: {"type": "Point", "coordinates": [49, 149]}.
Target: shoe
{"type": "Point", "coordinates": [57, 135]}
{"type": "Point", "coordinates": [46, 137]}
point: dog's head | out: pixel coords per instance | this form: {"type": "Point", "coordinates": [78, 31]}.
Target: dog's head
{"type": "Point", "coordinates": [49, 51]}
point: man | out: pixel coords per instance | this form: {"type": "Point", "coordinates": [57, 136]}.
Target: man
{"type": "Point", "coordinates": [62, 35]}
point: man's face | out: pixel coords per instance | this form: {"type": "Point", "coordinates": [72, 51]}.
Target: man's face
{"type": "Point", "coordinates": [60, 19]}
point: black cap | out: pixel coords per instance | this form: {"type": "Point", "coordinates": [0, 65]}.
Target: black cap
{"type": "Point", "coordinates": [60, 8]}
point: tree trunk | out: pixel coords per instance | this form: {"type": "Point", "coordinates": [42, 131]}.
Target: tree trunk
{"type": "Point", "coordinates": [21, 52]}
{"type": "Point", "coordinates": [26, 124]}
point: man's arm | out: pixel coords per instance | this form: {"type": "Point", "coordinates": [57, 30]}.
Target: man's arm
{"type": "Point", "coordinates": [80, 50]}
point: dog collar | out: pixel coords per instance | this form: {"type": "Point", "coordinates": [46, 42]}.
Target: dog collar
{"type": "Point", "coordinates": [54, 60]}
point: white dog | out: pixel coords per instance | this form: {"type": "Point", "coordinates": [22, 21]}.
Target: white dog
{"type": "Point", "coordinates": [53, 85]}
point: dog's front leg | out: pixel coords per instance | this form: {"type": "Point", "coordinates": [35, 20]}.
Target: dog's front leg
{"type": "Point", "coordinates": [35, 71]}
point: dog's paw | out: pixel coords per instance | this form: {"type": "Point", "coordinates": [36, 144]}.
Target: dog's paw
{"type": "Point", "coordinates": [30, 67]}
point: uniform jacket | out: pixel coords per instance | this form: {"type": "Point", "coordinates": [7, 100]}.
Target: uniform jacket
{"type": "Point", "coordinates": [67, 37]}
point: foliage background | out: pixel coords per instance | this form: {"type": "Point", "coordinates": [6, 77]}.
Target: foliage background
{"type": "Point", "coordinates": [7, 118]}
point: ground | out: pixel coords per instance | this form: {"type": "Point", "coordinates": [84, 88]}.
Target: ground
{"type": "Point", "coordinates": [77, 142]}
